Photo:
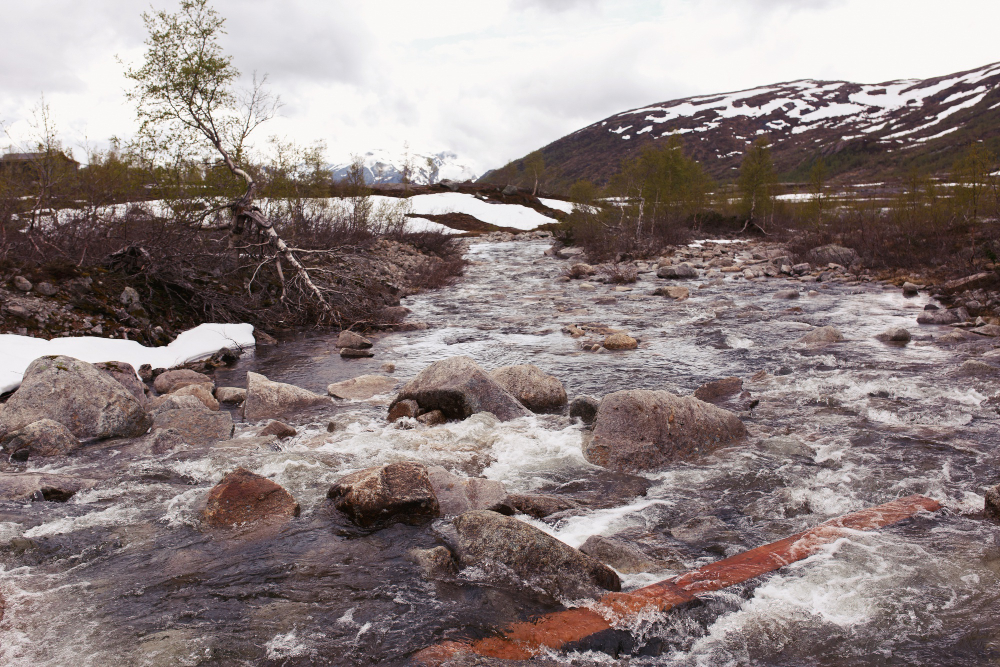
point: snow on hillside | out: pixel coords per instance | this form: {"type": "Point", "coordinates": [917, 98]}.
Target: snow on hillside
{"type": "Point", "coordinates": [383, 166]}
{"type": "Point", "coordinates": [887, 111]}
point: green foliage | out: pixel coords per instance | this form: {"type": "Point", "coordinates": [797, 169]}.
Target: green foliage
{"type": "Point", "coordinates": [757, 183]}
{"type": "Point", "coordinates": [583, 193]}
{"type": "Point", "coordinates": [973, 174]}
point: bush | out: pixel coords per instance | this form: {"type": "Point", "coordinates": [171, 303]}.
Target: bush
{"type": "Point", "coordinates": [618, 274]}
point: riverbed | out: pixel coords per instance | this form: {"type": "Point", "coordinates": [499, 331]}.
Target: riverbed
{"type": "Point", "coordinates": [125, 574]}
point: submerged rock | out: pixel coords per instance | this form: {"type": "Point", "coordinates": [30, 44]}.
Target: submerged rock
{"type": "Point", "coordinates": [266, 399]}
{"type": "Point", "coordinates": [42, 486]}
{"type": "Point", "coordinates": [77, 395]}
{"type": "Point", "coordinates": [432, 418]}
{"type": "Point", "coordinates": [535, 389]}
{"type": "Point", "coordinates": [894, 335]}
{"type": "Point", "coordinates": [354, 353]}
{"type": "Point", "coordinates": [278, 430]}
{"type": "Point", "coordinates": [822, 335]}
{"type": "Point", "coordinates": [41, 438]}
{"type": "Point", "coordinates": [378, 497]}
{"type": "Point", "coordinates": [362, 387]}
{"type": "Point", "coordinates": [639, 430]}
{"type": "Point", "coordinates": [622, 556]}
{"type": "Point", "coordinates": [620, 341]}
{"type": "Point", "coordinates": [459, 388]}
{"type": "Point", "coordinates": [456, 495]}
{"type": "Point", "coordinates": [719, 389]}
{"type": "Point", "coordinates": [540, 505]}
{"type": "Point", "coordinates": [500, 545]}
{"type": "Point", "coordinates": [437, 562]}
{"type": "Point", "coordinates": [244, 497]}
{"type": "Point", "coordinates": [585, 408]}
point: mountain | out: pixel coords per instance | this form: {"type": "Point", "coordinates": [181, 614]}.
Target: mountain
{"type": "Point", "coordinates": [385, 167]}
{"type": "Point", "coordinates": [861, 130]}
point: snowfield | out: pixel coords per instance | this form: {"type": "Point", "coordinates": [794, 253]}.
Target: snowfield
{"type": "Point", "coordinates": [198, 343]}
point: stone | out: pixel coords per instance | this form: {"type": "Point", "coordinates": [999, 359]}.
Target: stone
{"type": "Point", "coordinates": [277, 429]}
{"type": "Point", "coordinates": [129, 297]}
{"type": "Point", "coordinates": [991, 330]}
{"type": "Point", "coordinates": [992, 505]}
{"type": "Point", "coordinates": [822, 335]}
{"type": "Point", "coordinates": [22, 486]}
{"type": "Point", "coordinates": [716, 390]}
{"type": "Point", "coordinates": [170, 381]}
{"type": "Point", "coordinates": [501, 545]}
{"type": "Point", "coordinates": [125, 375]}
{"type": "Point", "coordinates": [703, 530]}
{"type": "Point", "coordinates": [388, 367]}
{"type": "Point", "coordinates": [77, 395]}
{"type": "Point", "coordinates": [976, 367]}
{"type": "Point", "coordinates": [676, 292]}
{"type": "Point", "coordinates": [535, 389]}
{"type": "Point", "coordinates": [909, 289]}
{"type": "Point", "coordinates": [352, 353]}
{"type": "Point", "coordinates": [197, 426]}
{"type": "Point", "coordinates": [832, 254]}
{"type": "Point", "coordinates": [540, 505]}
{"type": "Point", "coordinates": [362, 387]}
{"type": "Point", "coordinates": [786, 447]}
{"type": "Point", "coordinates": [378, 497]}
{"type": "Point", "coordinates": [620, 555]}
{"type": "Point", "coordinates": [243, 497]}
{"type": "Point", "coordinates": [587, 287]}
{"type": "Point", "coordinates": [267, 400]}
{"type": "Point", "coordinates": [620, 341]}
{"type": "Point", "coordinates": [22, 283]}
{"type": "Point", "coordinates": [41, 438]}
{"type": "Point", "coordinates": [146, 373]}
{"type": "Point", "coordinates": [162, 404]}
{"type": "Point", "coordinates": [432, 418]}
{"type": "Point", "coordinates": [456, 495]}
{"type": "Point", "coordinates": [230, 395]}
{"type": "Point", "coordinates": [942, 316]}
{"type": "Point", "coordinates": [786, 294]}
{"type": "Point", "coordinates": [799, 269]}
{"type": "Point", "coordinates": [459, 388]}
{"type": "Point", "coordinates": [437, 562]}
{"type": "Point", "coordinates": [407, 408]}
{"type": "Point", "coordinates": [894, 335]}
{"type": "Point", "coordinates": [584, 408]}
{"type": "Point", "coordinates": [203, 392]}
{"type": "Point", "coordinates": [509, 190]}
{"type": "Point", "coordinates": [639, 430]}
{"type": "Point", "coordinates": [984, 280]}
{"type": "Point", "coordinates": [390, 315]}
{"type": "Point", "coordinates": [353, 340]}
{"type": "Point", "coordinates": [683, 270]}
{"type": "Point", "coordinates": [46, 289]}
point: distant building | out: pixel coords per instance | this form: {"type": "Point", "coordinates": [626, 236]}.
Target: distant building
{"type": "Point", "coordinates": [25, 164]}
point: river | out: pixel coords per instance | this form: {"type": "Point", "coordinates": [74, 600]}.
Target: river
{"type": "Point", "coordinates": [124, 573]}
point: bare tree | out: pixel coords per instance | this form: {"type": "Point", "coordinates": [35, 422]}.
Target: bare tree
{"type": "Point", "coordinates": [187, 100]}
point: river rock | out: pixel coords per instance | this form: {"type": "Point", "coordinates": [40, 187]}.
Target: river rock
{"type": "Point", "coordinates": [822, 335]}
{"type": "Point", "coordinates": [42, 486]}
{"type": "Point", "coordinates": [677, 292]}
{"type": "Point", "coordinates": [501, 544]}
{"type": "Point", "coordinates": [620, 555]}
{"type": "Point", "coordinates": [267, 400]}
{"type": "Point", "coordinates": [540, 505]}
{"type": "Point", "coordinates": [638, 429]}
{"type": "Point", "coordinates": [535, 389]}
{"type": "Point", "coordinates": [162, 404]}
{"type": "Point", "coordinates": [982, 280]}
{"type": "Point", "coordinates": [786, 294]}
{"type": "Point", "coordinates": [354, 353]}
{"type": "Point", "coordinates": [170, 381]}
{"type": "Point", "coordinates": [941, 316]}
{"type": "Point", "coordinates": [894, 335]}
{"type": "Point", "coordinates": [432, 418]}
{"type": "Point", "coordinates": [278, 430]}
{"type": "Point", "coordinates": [976, 367]}
{"type": "Point", "coordinates": [203, 392]}
{"type": "Point", "coordinates": [197, 426]}
{"type": "Point", "coordinates": [683, 270]}
{"type": "Point", "coordinates": [437, 562]}
{"type": "Point", "coordinates": [395, 493]}
{"type": "Point", "coordinates": [704, 530]}
{"type": "Point", "coordinates": [362, 387]}
{"type": "Point", "coordinates": [47, 289]}
{"type": "Point", "coordinates": [77, 395]}
{"type": "Point", "coordinates": [244, 497]}
{"type": "Point", "coordinates": [909, 289]}
{"type": "Point", "coordinates": [353, 340]}
{"type": "Point", "coordinates": [125, 375]}
{"type": "Point", "coordinates": [993, 502]}
{"type": "Point", "coordinates": [407, 408]}
{"type": "Point", "coordinates": [620, 341]}
{"type": "Point", "coordinates": [832, 254]}
{"type": "Point", "coordinates": [585, 408]}
{"type": "Point", "coordinates": [22, 283]}
{"type": "Point", "coordinates": [456, 495]}
{"type": "Point", "coordinates": [710, 392]}
{"type": "Point", "coordinates": [459, 388]}
{"type": "Point", "coordinates": [41, 438]}
{"type": "Point", "coordinates": [230, 394]}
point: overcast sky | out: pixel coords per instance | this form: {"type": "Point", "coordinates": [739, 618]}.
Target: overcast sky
{"type": "Point", "coordinates": [488, 80]}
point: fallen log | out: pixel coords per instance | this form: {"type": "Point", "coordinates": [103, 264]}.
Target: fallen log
{"type": "Point", "coordinates": [572, 627]}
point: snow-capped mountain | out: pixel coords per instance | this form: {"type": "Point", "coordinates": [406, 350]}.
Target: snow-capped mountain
{"type": "Point", "coordinates": [863, 128]}
{"type": "Point", "coordinates": [383, 166]}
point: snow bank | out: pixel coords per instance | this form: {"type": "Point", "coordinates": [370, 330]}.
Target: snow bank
{"type": "Point", "coordinates": [414, 225]}
{"type": "Point", "coordinates": [202, 341]}
{"type": "Point", "coordinates": [558, 204]}
{"type": "Point", "coordinates": [502, 215]}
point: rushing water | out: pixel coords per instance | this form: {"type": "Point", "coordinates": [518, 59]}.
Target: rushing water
{"type": "Point", "coordinates": [123, 574]}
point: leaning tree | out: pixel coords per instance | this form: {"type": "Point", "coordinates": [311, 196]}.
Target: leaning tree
{"type": "Point", "coordinates": [187, 100]}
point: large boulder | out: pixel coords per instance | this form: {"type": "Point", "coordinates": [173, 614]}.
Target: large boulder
{"type": "Point", "coordinates": [362, 387]}
{"type": "Point", "coordinates": [377, 497]}
{"type": "Point", "coordinates": [244, 497]}
{"type": "Point", "coordinates": [124, 374]}
{"type": "Point", "coordinates": [456, 495]}
{"type": "Point", "coordinates": [832, 254]}
{"type": "Point", "coordinates": [170, 381]}
{"type": "Point", "coordinates": [952, 316]}
{"type": "Point", "coordinates": [459, 388]}
{"type": "Point", "coordinates": [984, 280]}
{"type": "Point", "coordinates": [638, 429]}
{"type": "Point", "coordinates": [500, 545]}
{"type": "Point", "coordinates": [77, 395]}
{"type": "Point", "coordinates": [187, 417]}
{"type": "Point", "coordinates": [266, 399]}
{"type": "Point", "coordinates": [537, 391]}
{"type": "Point", "coordinates": [41, 438]}
{"type": "Point", "coordinates": [683, 270]}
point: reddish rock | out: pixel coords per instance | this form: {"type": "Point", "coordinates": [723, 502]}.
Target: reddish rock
{"type": "Point", "coordinates": [244, 497]}
{"type": "Point", "coordinates": [710, 392]}
{"type": "Point", "coordinates": [278, 429]}
{"type": "Point", "coordinates": [396, 493]}
{"type": "Point", "coordinates": [407, 408]}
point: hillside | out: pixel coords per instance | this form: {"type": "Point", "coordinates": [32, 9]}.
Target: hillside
{"type": "Point", "coordinates": [382, 167]}
{"type": "Point", "coordinates": [861, 130]}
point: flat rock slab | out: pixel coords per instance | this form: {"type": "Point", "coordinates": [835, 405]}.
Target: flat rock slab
{"type": "Point", "coordinates": [457, 494]}
{"type": "Point", "coordinates": [268, 400]}
{"type": "Point", "coordinates": [362, 387]}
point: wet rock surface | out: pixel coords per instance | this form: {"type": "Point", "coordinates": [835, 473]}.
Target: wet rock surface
{"type": "Point", "coordinates": [529, 384]}
{"type": "Point", "coordinates": [244, 497]}
{"type": "Point", "coordinates": [459, 388]}
{"type": "Point", "coordinates": [41, 438]}
{"type": "Point", "coordinates": [266, 399]}
{"type": "Point", "coordinates": [378, 497]}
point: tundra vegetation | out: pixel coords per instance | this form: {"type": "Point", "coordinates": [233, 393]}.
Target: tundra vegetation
{"type": "Point", "coordinates": [204, 223]}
